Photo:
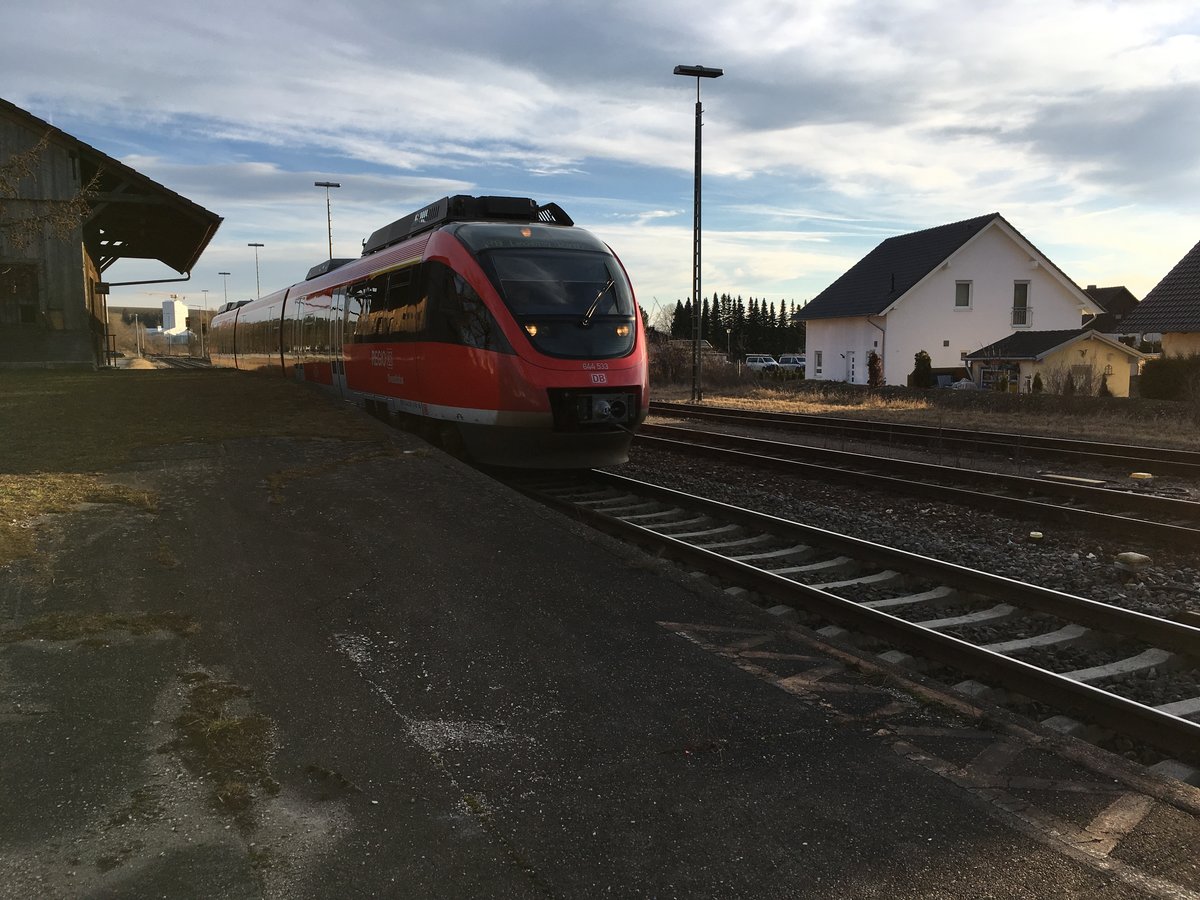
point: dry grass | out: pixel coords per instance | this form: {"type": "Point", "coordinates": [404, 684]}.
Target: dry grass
{"type": "Point", "coordinates": [59, 430]}
{"type": "Point", "coordinates": [76, 626]}
{"type": "Point", "coordinates": [232, 750]}
{"type": "Point", "coordinates": [1124, 421]}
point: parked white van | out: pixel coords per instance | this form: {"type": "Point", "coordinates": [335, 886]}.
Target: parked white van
{"type": "Point", "coordinates": [761, 362]}
{"type": "Point", "coordinates": [791, 361]}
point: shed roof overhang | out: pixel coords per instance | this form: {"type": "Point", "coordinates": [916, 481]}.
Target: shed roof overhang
{"type": "Point", "coordinates": [130, 216]}
{"type": "Point", "coordinates": [134, 217]}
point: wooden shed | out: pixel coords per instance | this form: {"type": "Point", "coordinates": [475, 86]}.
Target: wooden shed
{"type": "Point", "coordinates": [67, 213]}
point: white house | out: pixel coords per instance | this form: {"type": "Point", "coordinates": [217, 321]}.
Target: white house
{"type": "Point", "coordinates": [948, 291]}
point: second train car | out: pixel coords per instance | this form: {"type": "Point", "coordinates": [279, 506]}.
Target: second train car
{"type": "Point", "coordinates": [493, 322]}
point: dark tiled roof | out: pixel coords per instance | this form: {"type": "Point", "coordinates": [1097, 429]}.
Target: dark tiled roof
{"type": "Point", "coordinates": [1174, 303]}
{"type": "Point", "coordinates": [1026, 344]}
{"type": "Point", "coordinates": [1118, 299]}
{"type": "Point", "coordinates": [889, 270]}
{"type": "Point", "coordinates": [1117, 302]}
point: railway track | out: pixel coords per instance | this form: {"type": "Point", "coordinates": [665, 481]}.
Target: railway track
{"type": "Point", "coordinates": [1159, 460]}
{"type": "Point", "coordinates": [1126, 672]}
{"type": "Point", "coordinates": [182, 362]}
{"type": "Point", "coordinates": [1152, 518]}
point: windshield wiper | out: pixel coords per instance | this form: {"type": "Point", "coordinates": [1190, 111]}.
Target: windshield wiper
{"type": "Point", "coordinates": [591, 311]}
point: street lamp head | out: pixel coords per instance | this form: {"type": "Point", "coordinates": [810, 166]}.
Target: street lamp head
{"type": "Point", "coordinates": [326, 184]}
{"type": "Point", "coordinates": [699, 71]}
{"type": "Point", "coordinates": [224, 273]}
{"type": "Point", "coordinates": [255, 245]}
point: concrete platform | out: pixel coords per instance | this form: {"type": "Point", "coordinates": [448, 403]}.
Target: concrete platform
{"type": "Point", "coordinates": [443, 690]}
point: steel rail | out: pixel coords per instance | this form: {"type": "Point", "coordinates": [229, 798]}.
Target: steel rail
{"type": "Point", "coordinates": [1161, 459]}
{"type": "Point", "coordinates": [1163, 730]}
{"type": "Point", "coordinates": [927, 480]}
{"type": "Point", "coordinates": [1176, 636]}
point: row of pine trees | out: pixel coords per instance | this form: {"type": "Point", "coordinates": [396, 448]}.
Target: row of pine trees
{"type": "Point", "coordinates": [733, 325]}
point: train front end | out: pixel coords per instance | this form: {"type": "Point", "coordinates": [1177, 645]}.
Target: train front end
{"type": "Point", "coordinates": [574, 386]}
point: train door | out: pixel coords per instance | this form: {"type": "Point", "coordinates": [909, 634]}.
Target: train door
{"type": "Point", "coordinates": [337, 332]}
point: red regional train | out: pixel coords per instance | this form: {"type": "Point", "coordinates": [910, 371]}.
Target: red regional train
{"type": "Point", "coordinates": [491, 322]}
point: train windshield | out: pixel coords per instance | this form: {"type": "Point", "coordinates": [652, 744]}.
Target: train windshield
{"type": "Point", "coordinates": [571, 303]}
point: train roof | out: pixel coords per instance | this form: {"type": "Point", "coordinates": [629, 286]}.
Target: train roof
{"type": "Point", "coordinates": [463, 208]}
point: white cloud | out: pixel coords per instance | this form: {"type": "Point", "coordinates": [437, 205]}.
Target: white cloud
{"type": "Point", "coordinates": [837, 123]}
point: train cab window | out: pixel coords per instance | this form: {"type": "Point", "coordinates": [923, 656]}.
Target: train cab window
{"type": "Point", "coordinates": [562, 282]}
{"type": "Point", "coordinates": [571, 303]}
{"type": "Point", "coordinates": [458, 314]}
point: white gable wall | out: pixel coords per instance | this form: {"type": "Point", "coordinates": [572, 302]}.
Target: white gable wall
{"type": "Point", "coordinates": [926, 318]}
{"type": "Point", "coordinates": [840, 342]}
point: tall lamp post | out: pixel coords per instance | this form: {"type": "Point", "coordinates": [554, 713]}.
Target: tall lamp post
{"type": "Point", "coordinates": [697, 72]}
{"type": "Point", "coordinates": [257, 283]}
{"type": "Point", "coordinates": [225, 278]}
{"type": "Point", "coordinates": [328, 210]}
{"type": "Point", "coordinates": [204, 325]}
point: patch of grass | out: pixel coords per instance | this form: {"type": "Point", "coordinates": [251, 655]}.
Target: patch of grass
{"type": "Point", "coordinates": [57, 421]}
{"type": "Point", "coordinates": [1122, 421]}
{"type": "Point", "coordinates": [230, 749]}
{"type": "Point", "coordinates": [165, 556]}
{"type": "Point", "coordinates": [60, 429]}
{"type": "Point", "coordinates": [25, 496]}
{"type": "Point", "coordinates": [88, 626]}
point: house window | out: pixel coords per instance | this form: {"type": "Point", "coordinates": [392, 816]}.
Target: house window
{"type": "Point", "coordinates": [817, 362]}
{"type": "Point", "coordinates": [1022, 315]}
{"type": "Point", "coordinates": [945, 343]}
{"type": "Point", "coordinates": [962, 295]}
{"type": "Point", "coordinates": [18, 294]}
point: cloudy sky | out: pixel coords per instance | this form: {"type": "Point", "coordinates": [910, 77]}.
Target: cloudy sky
{"type": "Point", "coordinates": [836, 125]}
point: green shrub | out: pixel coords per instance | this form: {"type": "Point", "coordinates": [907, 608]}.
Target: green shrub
{"type": "Point", "coordinates": [874, 370]}
{"type": "Point", "coordinates": [922, 374]}
{"type": "Point", "coordinates": [1172, 378]}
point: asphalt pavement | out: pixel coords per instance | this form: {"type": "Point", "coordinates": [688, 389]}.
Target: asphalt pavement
{"type": "Point", "coordinates": [319, 669]}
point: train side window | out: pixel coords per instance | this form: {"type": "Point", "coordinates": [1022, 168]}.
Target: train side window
{"type": "Point", "coordinates": [406, 308]}
{"type": "Point", "coordinates": [363, 309]}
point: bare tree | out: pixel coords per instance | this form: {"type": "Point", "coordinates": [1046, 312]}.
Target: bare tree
{"type": "Point", "coordinates": [23, 218]}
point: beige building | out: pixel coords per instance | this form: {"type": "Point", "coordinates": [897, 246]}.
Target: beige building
{"type": "Point", "coordinates": [1085, 357]}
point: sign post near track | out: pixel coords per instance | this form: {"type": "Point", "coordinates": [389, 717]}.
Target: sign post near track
{"type": "Point", "coordinates": [697, 72]}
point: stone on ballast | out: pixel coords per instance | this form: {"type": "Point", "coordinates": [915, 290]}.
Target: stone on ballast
{"type": "Point", "coordinates": [1131, 562]}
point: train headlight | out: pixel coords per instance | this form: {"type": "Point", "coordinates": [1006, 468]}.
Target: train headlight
{"type": "Point", "coordinates": [531, 330]}
{"type": "Point", "coordinates": [622, 331]}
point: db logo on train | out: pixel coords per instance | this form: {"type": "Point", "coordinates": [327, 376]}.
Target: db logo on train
{"type": "Point", "coordinates": [599, 379]}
